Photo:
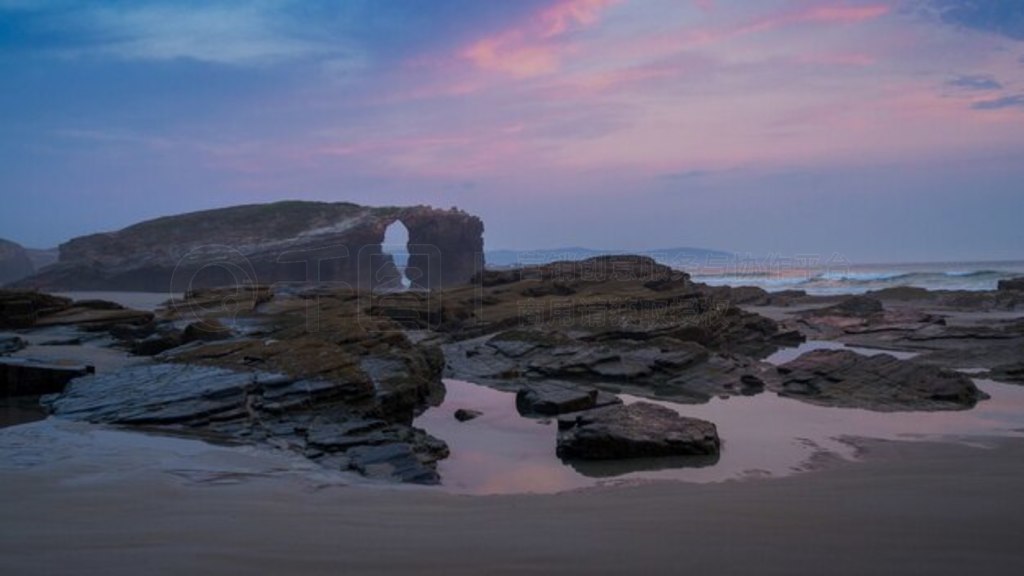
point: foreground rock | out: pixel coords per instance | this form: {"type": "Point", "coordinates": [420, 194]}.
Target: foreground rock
{"type": "Point", "coordinates": [640, 430]}
{"type": "Point", "coordinates": [881, 383]}
{"type": "Point", "coordinates": [310, 416]}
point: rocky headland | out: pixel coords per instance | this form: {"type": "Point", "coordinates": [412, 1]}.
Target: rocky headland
{"type": "Point", "coordinates": [285, 242]}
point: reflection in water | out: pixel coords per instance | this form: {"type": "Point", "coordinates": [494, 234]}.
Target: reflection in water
{"type": "Point", "coordinates": [613, 468]}
{"type": "Point", "coordinates": [502, 452]}
{"type": "Point", "coordinates": [786, 354]}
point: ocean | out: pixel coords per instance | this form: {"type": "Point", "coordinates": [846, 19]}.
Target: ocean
{"type": "Point", "coordinates": [829, 279]}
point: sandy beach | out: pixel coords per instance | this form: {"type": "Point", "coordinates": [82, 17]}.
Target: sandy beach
{"type": "Point", "coordinates": [907, 508]}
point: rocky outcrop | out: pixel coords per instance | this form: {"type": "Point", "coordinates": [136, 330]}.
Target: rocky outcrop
{"type": "Point", "coordinates": [547, 366]}
{"type": "Point", "coordinates": [881, 383]}
{"type": "Point", "coordinates": [640, 430]}
{"type": "Point", "coordinates": [1011, 284]}
{"type": "Point", "coordinates": [15, 263]}
{"type": "Point", "coordinates": [284, 242]}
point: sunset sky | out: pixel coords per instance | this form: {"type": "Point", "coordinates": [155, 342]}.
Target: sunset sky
{"type": "Point", "coordinates": [884, 130]}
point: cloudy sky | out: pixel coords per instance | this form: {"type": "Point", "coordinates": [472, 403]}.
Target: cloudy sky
{"type": "Point", "coordinates": [883, 130]}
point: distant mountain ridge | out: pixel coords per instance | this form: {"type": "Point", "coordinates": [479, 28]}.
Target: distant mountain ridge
{"type": "Point", "coordinates": [680, 257]}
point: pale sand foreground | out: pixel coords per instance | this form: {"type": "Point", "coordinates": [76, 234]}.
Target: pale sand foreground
{"type": "Point", "coordinates": [910, 508]}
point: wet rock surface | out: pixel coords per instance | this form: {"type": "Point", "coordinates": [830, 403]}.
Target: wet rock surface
{"type": "Point", "coordinates": [307, 416]}
{"type": "Point", "coordinates": [880, 382]}
{"type": "Point", "coordinates": [640, 430]}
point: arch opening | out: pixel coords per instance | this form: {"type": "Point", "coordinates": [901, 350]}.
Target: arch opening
{"type": "Point", "coordinates": [396, 245]}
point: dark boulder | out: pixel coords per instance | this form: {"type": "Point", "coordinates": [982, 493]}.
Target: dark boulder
{"type": "Point", "coordinates": [640, 430]}
{"type": "Point", "coordinates": [465, 414]}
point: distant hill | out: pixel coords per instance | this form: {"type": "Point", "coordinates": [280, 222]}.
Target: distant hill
{"type": "Point", "coordinates": [681, 258]}
{"type": "Point", "coordinates": [41, 258]}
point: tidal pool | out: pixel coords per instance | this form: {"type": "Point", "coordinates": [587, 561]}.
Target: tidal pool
{"type": "Point", "coordinates": [502, 452]}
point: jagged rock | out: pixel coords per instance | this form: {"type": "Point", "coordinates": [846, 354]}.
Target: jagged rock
{"type": "Point", "coordinates": [640, 430]}
{"type": "Point", "coordinates": [28, 377]}
{"type": "Point", "coordinates": [1011, 284]}
{"type": "Point", "coordinates": [881, 383]}
{"type": "Point", "coordinates": [465, 414]}
{"type": "Point", "coordinates": [15, 263]}
{"type": "Point", "coordinates": [270, 243]}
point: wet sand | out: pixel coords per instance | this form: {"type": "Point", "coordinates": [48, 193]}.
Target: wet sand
{"type": "Point", "coordinates": [909, 508]}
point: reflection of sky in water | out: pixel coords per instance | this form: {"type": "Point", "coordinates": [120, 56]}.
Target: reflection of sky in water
{"type": "Point", "coordinates": [502, 452]}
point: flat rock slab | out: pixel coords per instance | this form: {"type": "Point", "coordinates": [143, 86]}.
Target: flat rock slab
{"type": "Point", "coordinates": [159, 394]}
{"type": "Point", "coordinates": [554, 398]}
{"type": "Point", "coordinates": [881, 383]}
{"type": "Point", "coordinates": [640, 430]}
{"type": "Point", "coordinates": [28, 377]}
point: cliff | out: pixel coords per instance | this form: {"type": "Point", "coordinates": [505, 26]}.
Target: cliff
{"type": "Point", "coordinates": [283, 242]}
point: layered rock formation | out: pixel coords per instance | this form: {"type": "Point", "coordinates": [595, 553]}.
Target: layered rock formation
{"type": "Point", "coordinates": [15, 263]}
{"type": "Point", "coordinates": [284, 242]}
{"type": "Point", "coordinates": [881, 383]}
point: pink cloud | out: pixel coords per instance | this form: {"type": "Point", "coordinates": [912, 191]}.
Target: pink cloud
{"type": "Point", "coordinates": [537, 46]}
{"type": "Point", "coordinates": [851, 59]}
{"type": "Point", "coordinates": [562, 16]}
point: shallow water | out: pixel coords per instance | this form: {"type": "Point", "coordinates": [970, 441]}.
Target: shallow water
{"type": "Point", "coordinates": [764, 435]}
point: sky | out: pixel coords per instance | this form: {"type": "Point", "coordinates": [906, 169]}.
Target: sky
{"type": "Point", "coordinates": [877, 130]}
